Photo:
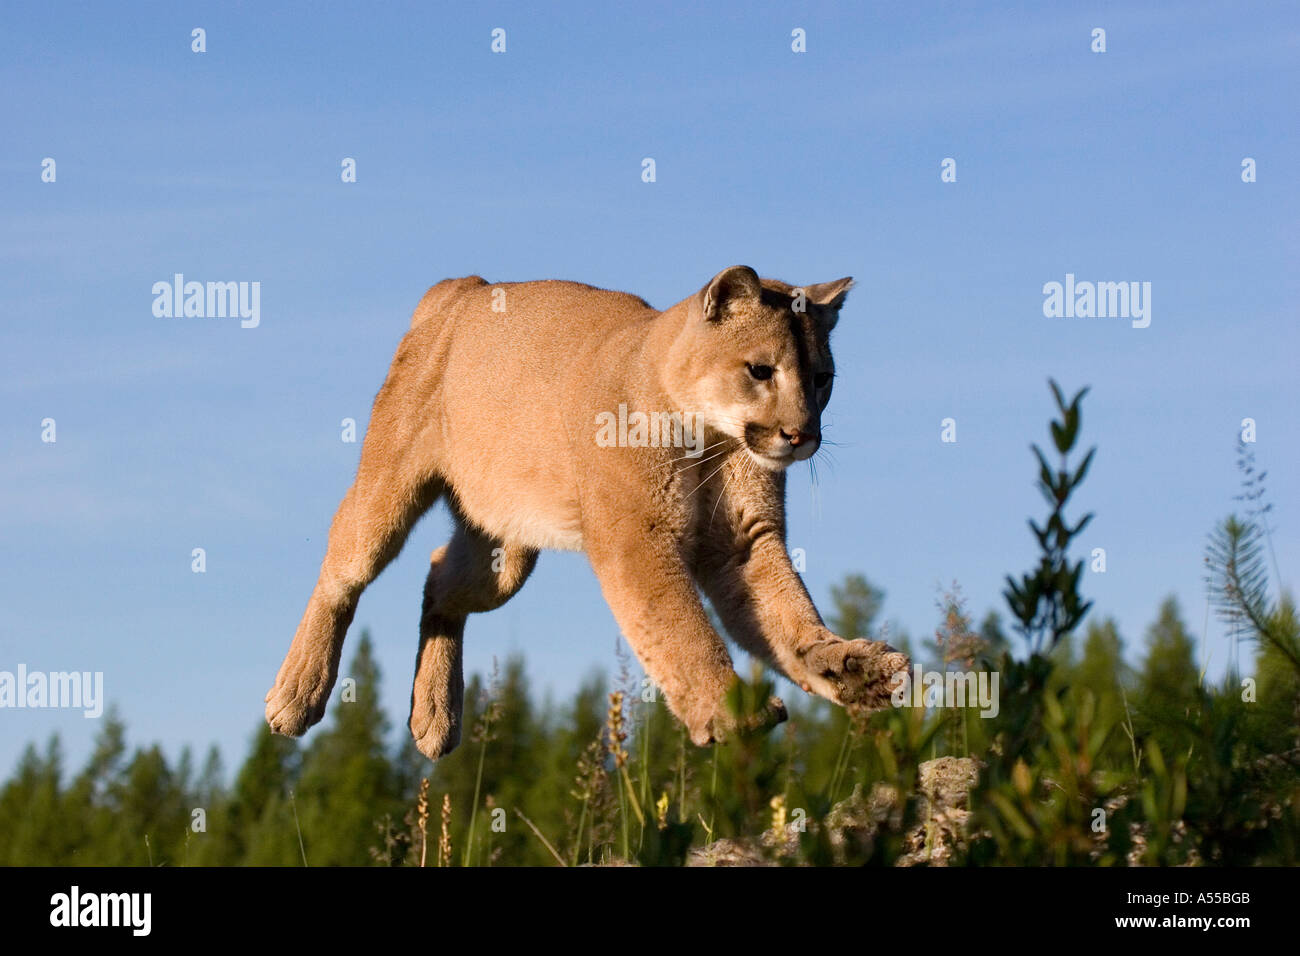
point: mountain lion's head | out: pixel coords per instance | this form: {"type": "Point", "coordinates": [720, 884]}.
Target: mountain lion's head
{"type": "Point", "coordinates": [754, 362]}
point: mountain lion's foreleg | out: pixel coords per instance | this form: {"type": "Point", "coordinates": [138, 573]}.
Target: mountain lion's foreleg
{"type": "Point", "coordinates": [746, 573]}
{"type": "Point", "coordinates": [658, 609]}
{"type": "Point", "coordinates": [471, 573]}
{"type": "Point", "coordinates": [391, 491]}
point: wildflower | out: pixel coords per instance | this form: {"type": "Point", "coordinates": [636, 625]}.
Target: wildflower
{"type": "Point", "coordinates": [778, 816]}
{"type": "Point", "coordinates": [422, 817]}
{"type": "Point", "coordinates": [444, 841]}
{"type": "Point", "coordinates": [614, 728]}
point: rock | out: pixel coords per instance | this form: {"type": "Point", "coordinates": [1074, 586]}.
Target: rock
{"type": "Point", "coordinates": [946, 781]}
{"type": "Point", "coordinates": [728, 853]}
{"type": "Point", "coordinates": [945, 785]}
{"type": "Point", "coordinates": [853, 824]}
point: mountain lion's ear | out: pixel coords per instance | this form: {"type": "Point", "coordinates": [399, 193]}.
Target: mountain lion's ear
{"type": "Point", "coordinates": [829, 294]}
{"type": "Point", "coordinates": [737, 284]}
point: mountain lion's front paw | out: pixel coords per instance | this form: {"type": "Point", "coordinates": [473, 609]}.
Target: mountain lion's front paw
{"type": "Point", "coordinates": [853, 673]}
{"type": "Point", "coordinates": [297, 701]}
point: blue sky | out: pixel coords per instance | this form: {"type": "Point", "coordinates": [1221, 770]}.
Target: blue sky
{"type": "Point", "coordinates": [182, 433]}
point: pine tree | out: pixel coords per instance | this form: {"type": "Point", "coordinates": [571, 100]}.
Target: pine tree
{"type": "Point", "coordinates": [30, 822]}
{"type": "Point", "coordinates": [348, 784]}
{"type": "Point", "coordinates": [1169, 684]}
{"type": "Point", "coordinates": [1101, 669]}
{"type": "Point", "coordinates": [1278, 681]}
{"type": "Point", "coordinates": [152, 816]}
{"type": "Point", "coordinates": [1102, 673]}
{"type": "Point", "coordinates": [253, 824]}
{"type": "Point", "coordinates": [857, 604]}
{"type": "Point", "coordinates": [994, 637]}
{"type": "Point", "coordinates": [88, 803]}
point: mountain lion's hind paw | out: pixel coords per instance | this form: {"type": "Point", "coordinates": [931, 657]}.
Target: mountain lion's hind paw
{"type": "Point", "coordinates": [296, 702]}
{"type": "Point", "coordinates": [724, 726]}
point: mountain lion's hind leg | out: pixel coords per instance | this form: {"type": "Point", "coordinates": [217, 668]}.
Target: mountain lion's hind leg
{"type": "Point", "coordinates": [368, 531]}
{"type": "Point", "coordinates": [471, 573]}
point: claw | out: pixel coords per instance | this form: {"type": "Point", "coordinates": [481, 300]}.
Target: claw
{"type": "Point", "coordinates": [860, 673]}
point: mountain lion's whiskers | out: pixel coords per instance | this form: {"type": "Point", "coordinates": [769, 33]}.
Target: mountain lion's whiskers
{"type": "Point", "coordinates": [696, 456]}
{"type": "Point", "coordinates": [685, 468]}
{"type": "Point", "coordinates": [747, 469]}
{"type": "Point", "coordinates": [721, 494]}
{"type": "Point", "coordinates": [691, 457]}
{"type": "Point", "coordinates": [706, 480]}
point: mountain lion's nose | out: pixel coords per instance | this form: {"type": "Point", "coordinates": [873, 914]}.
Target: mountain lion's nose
{"type": "Point", "coordinates": [797, 437]}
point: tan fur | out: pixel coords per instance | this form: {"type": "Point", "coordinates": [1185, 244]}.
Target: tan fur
{"type": "Point", "coordinates": [498, 411]}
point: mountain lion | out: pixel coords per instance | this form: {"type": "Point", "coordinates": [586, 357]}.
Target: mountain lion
{"type": "Point", "coordinates": [557, 415]}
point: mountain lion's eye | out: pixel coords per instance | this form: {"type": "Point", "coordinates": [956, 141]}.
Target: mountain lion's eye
{"type": "Point", "coordinates": [822, 379]}
{"type": "Point", "coordinates": [760, 372]}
